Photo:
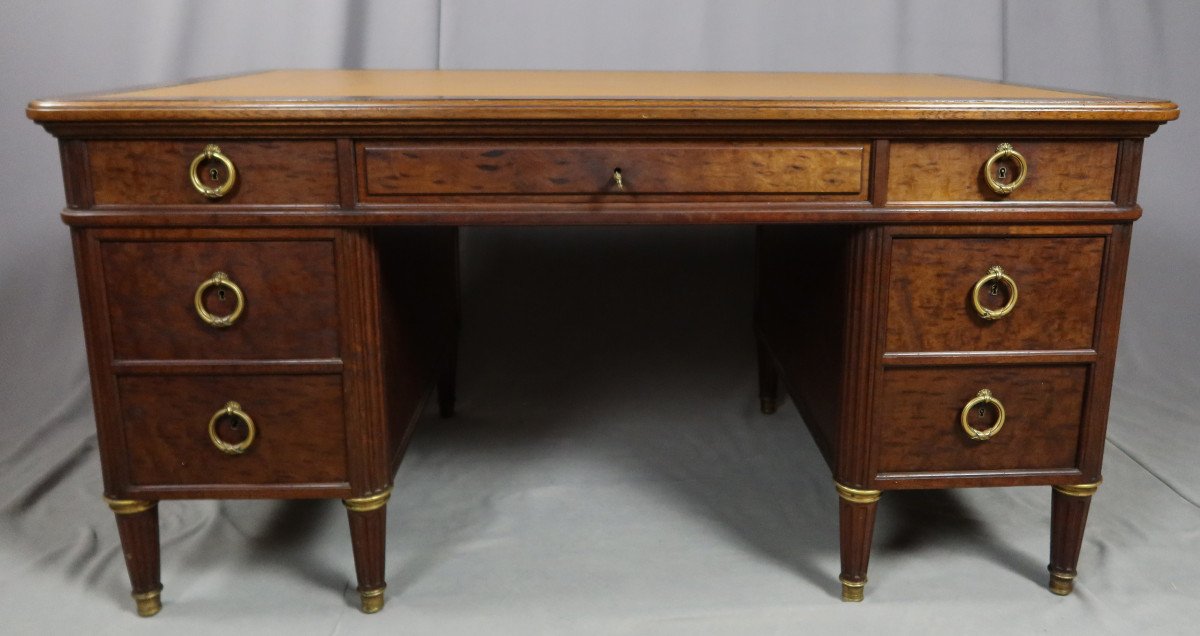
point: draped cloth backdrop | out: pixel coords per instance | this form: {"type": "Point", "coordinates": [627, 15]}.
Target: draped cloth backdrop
{"type": "Point", "coordinates": [608, 472]}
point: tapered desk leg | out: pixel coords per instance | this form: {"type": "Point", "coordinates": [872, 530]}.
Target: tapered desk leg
{"type": "Point", "coordinates": [1068, 515]}
{"type": "Point", "coordinates": [368, 534]}
{"type": "Point", "coordinates": [857, 518]}
{"type": "Point", "coordinates": [768, 380]}
{"type": "Point", "coordinates": [137, 524]}
{"type": "Point", "coordinates": [448, 376]}
{"type": "Point", "coordinates": [447, 381]}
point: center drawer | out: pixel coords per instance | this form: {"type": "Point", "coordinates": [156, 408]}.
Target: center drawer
{"type": "Point", "coordinates": [391, 169]}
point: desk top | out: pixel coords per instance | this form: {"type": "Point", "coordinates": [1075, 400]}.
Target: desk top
{"type": "Point", "coordinates": [510, 95]}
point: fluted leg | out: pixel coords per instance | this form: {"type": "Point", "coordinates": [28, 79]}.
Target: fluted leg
{"type": "Point", "coordinates": [368, 533]}
{"type": "Point", "coordinates": [857, 518]}
{"type": "Point", "coordinates": [1068, 515]}
{"type": "Point", "coordinates": [768, 380]}
{"type": "Point", "coordinates": [447, 382]}
{"type": "Point", "coordinates": [137, 524]}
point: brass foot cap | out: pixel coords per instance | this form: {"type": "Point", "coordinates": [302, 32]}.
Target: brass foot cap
{"type": "Point", "coordinates": [372, 600]}
{"type": "Point", "coordinates": [148, 603]}
{"type": "Point", "coordinates": [1062, 583]}
{"type": "Point", "coordinates": [767, 405]}
{"type": "Point", "coordinates": [852, 591]}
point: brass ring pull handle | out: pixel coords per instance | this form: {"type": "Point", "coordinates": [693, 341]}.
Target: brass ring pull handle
{"type": "Point", "coordinates": [1006, 151]}
{"type": "Point", "coordinates": [982, 398]}
{"type": "Point", "coordinates": [617, 180]}
{"type": "Point", "coordinates": [995, 275]}
{"type": "Point", "coordinates": [231, 409]}
{"type": "Point", "coordinates": [212, 151]}
{"type": "Point", "coordinates": [219, 279]}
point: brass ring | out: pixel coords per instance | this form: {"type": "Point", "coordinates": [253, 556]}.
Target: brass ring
{"type": "Point", "coordinates": [1003, 151]}
{"type": "Point", "coordinates": [129, 506]}
{"type": "Point", "coordinates": [369, 502]}
{"type": "Point", "coordinates": [219, 279]}
{"type": "Point", "coordinates": [231, 409]}
{"type": "Point", "coordinates": [857, 495]}
{"type": "Point", "coordinates": [983, 397]}
{"type": "Point", "coordinates": [995, 273]}
{"type": "Point", "coordinates": [212, 151]}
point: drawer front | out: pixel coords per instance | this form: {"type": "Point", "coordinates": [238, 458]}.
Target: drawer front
{"type": "Point", "coordinates": [267, 172]}
{"type": "Point", "coordinates": [919, 429]}
{"type": "Point", "coordinates": [288, 288]}
{"type": "Point", "coordinates": [299, 436]}
{"type": "Point", "coordinates": [1057, 171]}
{"type": "Point", "coordinates": [931, 292]}
{"type": "Point", "coordinates": [397, 170]}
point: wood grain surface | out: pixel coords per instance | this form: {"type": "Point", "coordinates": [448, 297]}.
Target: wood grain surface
{"type": "Point", "coordinates": [301, 438]}
{"type": "Point", "coordinates": [291, 308]}
{"type": "Point", "coordinates": [929, 293]}
{"type": "Point", "coordinates": [679, 168]}
{"type": "Point", "coordinates": [953, 171]}
{"type": "Point", "coordinates": [155, 172]}
{"type": "Point", "coordinates": [918, 426]}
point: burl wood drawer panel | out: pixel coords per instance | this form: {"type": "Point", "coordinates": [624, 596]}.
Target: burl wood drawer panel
{"type": "Point", "coordinates": [299, 436]}
{"type": "Point", "coordinates": [953, 171]}
{"type": "Point", "coordinates": [932, 282]}
{"type": "Point", "coordinates": [268, 172]}
{"type": "Point", "coordinates": [394, 170]}
{"type": "Point", "coordinates": [919, 429]}
{"type": "Point", "coordinates": [289, 289]}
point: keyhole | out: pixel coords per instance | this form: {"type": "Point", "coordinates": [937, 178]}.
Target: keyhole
{"type": "Point", "coordinates": [215, 174]}
{"type": "Point", "coordinates": [1003, 172]}
{"type": "Point", "coordinates": [994, 289]}
{"type": "Point", "coordinates": [982, 412]}
{"type": "Point", "coordinates": [221, 294]}
{"type": "Point", "coordinates": [234, 424]}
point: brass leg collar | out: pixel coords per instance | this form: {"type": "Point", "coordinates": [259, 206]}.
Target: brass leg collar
{"type": "Point", "coordinates": [1062, 583]}
{"type": "Point", "coordinates": [857, 495]}
{"type": "Point", "coordinates": [852, 591]}
{"type": "Point", "coordinates": [1079, 490]}
{"type": "Point", "coordinates": [129, 506]}
{"type": "Point", "coordinates": [148, 603]}
{"type": "Point", "coordinates": [372, 600]}
{"type": "Point", "coordinates": [368, 503]}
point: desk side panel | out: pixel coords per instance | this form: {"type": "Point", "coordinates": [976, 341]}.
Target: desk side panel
{"type": "Point", "coordinates": [801, 317]}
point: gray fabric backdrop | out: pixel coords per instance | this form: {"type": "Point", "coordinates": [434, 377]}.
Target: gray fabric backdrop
{"type": "Point", "coordinates": [608, 473]}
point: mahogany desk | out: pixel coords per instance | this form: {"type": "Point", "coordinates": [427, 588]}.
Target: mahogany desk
{"type": "Point", "coordinates": [268, 269]}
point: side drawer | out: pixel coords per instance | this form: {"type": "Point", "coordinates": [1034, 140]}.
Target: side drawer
{"type": "Point", "coordinates": [932, 282]}
{"type": "Point", "coordinates": [939, 171]}
{"type": "Point", "coordinates": [288, 288]}
{"type": "Point", "coordinates": [299, 435]}
{"type": "Point", "coordinates": [919, 428]}
{"type": "Point", "coordinates": [158, 172]}
{"type": "Point", "coordinates": [389, 169]}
